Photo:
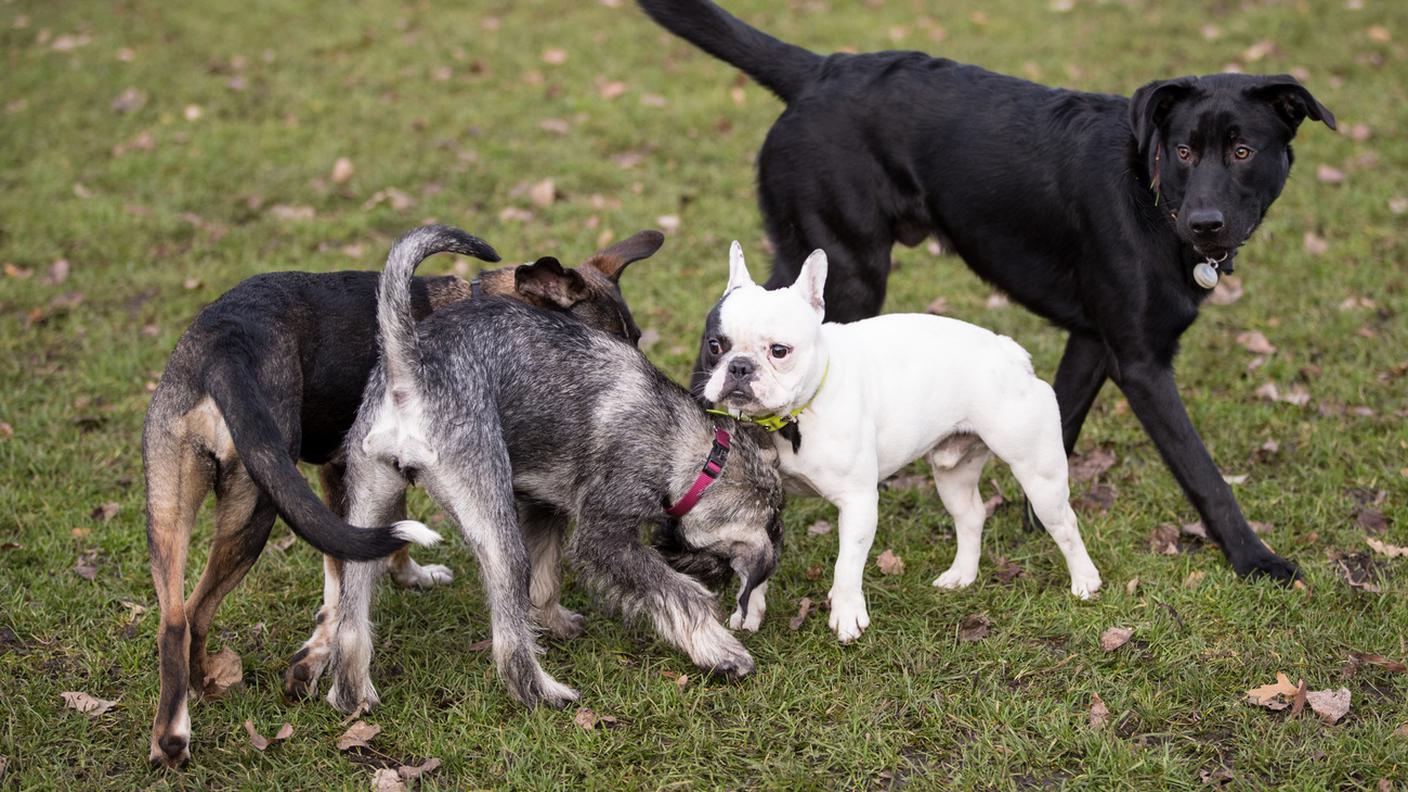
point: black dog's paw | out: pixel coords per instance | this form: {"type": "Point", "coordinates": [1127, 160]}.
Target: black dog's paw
{"type": "Point", "coordinates": [1269, 565]}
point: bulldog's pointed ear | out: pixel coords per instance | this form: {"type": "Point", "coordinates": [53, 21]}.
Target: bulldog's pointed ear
{"type": "Point", "coordinates": [737, 269]}
{"type": "Point", "coordinates": [811, 281]}
{"type": "Point", "coordinates": [1150, 105]}
{"type": "Point", "coordinates": [546, 284]}
{"type": "Point", "coordinates": [1291, 100]}
{"type": "Point", "coordinates": [612, 260]}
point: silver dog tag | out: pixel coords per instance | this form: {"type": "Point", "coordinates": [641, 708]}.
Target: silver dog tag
{"type": "Point", "coordinates": [1205, 274]}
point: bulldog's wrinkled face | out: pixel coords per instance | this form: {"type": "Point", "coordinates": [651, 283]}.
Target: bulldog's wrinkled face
{"type": "Point", "coordinates": [759, 345]}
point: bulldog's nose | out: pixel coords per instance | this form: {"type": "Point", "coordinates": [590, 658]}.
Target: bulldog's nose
{"type": "Point", "coordinates": [1205, 222]}
{"type": "Point", "coordinates": [739, 368]}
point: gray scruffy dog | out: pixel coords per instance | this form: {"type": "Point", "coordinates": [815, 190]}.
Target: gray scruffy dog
{"type": "Point", "coordinates": [491, 405]}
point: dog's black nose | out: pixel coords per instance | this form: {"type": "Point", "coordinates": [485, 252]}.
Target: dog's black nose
{"type": "Point", "coordinates": [738, 368]}
{"type": "Point", "coordinates": [1205, 222]}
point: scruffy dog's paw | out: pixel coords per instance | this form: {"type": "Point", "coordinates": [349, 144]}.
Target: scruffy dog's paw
{"type": "Point", "coordinates": [560, 622]}
{"type": "Point", "coordinates": [414, 575]}
{"type": "Point", "coordinates": [848, 616]}
{"type": "Point", "coordinates": [956, 578]}
{"type": "Point", "coordinates": [531, 685]}
{"type": "Point", "coordinates": [734, 667]}
{"type": "Point", "coordinates": [349, 696]}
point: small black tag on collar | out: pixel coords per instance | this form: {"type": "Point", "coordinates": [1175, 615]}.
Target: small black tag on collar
{"type": "Point", "coordinates": [793, 432]}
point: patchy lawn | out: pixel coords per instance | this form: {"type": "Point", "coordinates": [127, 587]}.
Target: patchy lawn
{"type": "Point", "coordinates": [166, 151]}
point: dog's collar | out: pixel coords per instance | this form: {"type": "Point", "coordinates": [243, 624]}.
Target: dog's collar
{"type": "Point", "coordinates": [713, 466]}
{"type": "Point", "coordinates": [772, 423]}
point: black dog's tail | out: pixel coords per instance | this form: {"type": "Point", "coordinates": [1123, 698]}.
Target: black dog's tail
{"type": "Point", "coordinates": [231, 382]}
{"type": "Point", "coordinates": [400, 350]}
{"type": "Point", "coordinates": [785, 69]}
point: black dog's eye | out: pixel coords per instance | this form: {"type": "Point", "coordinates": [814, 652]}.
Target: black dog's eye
{"type": "Point", "coordinates": [715, 348]}
{"type": "Point", "coordinates": [1241, 152]}
{"type": "Point", "coordinates": [1184, 153]}
{"type": "Point", "coordinates": [779, 351]}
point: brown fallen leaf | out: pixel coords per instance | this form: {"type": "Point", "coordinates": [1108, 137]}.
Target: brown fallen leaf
{"type": "Point", "coordinates": [516, 214]}
{"type": "Point", "coordinates": [223, 670]}
{"type": "Point", "coordinates": [291, 213]}
{"type": "Point", "coordinates": [412, 772]}
{"type": "Point", "coordinates": [1194, 578]}
{"type": "Point", "coordinates": [358, 735]}
{"type": "Point", "coordinates": [1328, 174]}
{"type": "Point", "coordinates": [1195, 529]}
{"type": "Point", "coordinates": [1114, 638]}
{"type": "Point", "coordinates": [1218, 778]}
{"type": "Point", "coordinates": [1393, 666]}
{"type": "Point", "coordinates": [86, 704]}
{"type": "Point", "coordinates": [58, 273]}
{"type": "Point", "coordinates": [1269, 695]}
{"type": "Point", "coordinates": [543, 193]}
{"type": "Point", "coordinates": [889, 563]}
{"type": "Point", "coordinates": [1131, 587]}
{"type": "Point", "coordinates": [974, 627]}
{"type": "Point", "coordinates": [260, 742]}
{"type": "Point", "coordinates": [1096, 500]}
{"type": "Point", "coordinates": [1099, 713]}
{"type": "Point", "coordinates": [1254, 341]}
{"type": "Point", "coordinates": [342, 171]}
{"type": "Point", "coordinates": [87, 565]}
{"type": "Point", "coordinates": [1383, 548]}
{"type": "Point", "coordinates": [1359, 570]}
{"type": "Point", "coordinates": [282, 544]}
{"type": "Point", "coordinates": [105, 512]}
{"type": "Point", "coordinates": [388, 779]}
{"type": "Point", "coordinates": [1401, 731]}
{"type": "Point", "coordinates": [1298, 703]}
{"type": "Point", "coordinates": [1315, 244]}
{"type": "Point", "coordinates": [1008, 570]}
{"type": "Point", "coordinates": [1228, 290]}
{"type": "Point", "coordinates": [939, 306]}
{"type": "Point", "coordinates": [129, 101]}
{"type": "Point", "coordinates": [813, 572]}
{"type": "Point", "coordinates": [990, 505]}
{"type": "Point", "coordinates": [555, 56]}
{"type": "Point", "coordinates": [1330, 705]}
{"type": "Point", "coordinates": [1164, 539]}
{"type": "Point", "coordinates": [1091, 465]}
{"type": "Point", "coordinates": [819, 527]}
{"type": "Point", "coordinates": [804, 607]}
{"type": "Point", "coordinates": [996, 300]}
{"type": "Point", "coordinates": [1371, 520]}
{"type": "Point", "coordinates": [482, 646]}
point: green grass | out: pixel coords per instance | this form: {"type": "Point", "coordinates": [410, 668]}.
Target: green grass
{"type": "Point", "coordinates": [429, 99]}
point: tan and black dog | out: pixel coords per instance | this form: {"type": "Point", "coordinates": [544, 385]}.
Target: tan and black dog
{"type": "Point", "coordinates": [273, 372]}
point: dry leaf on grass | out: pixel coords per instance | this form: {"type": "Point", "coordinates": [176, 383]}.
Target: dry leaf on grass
{"type": "Point", "coordinates": [804, 607]}
{"type": "Point", "coordinates": [1099, 713]}
{"type": "Point", "coordinates": [974, 627]}
{"type": "Point", "coordinates": [284, 543]}
{"type": "Point", "coordinates": [358, 735]}
{"type": "Point", "coordinates": [543, 193]}
{"type": "Point", "coordinates": [287, 213]}
{"type": "Point", "coordinates": [1131, 587]}
{"type": "Point", "coordinates": [590, 720]}
{"type": "Point", "coordinates": [1359, 570]}
{"type": "Point", "coordinates": [482, 646]}
{"type": "Point", "coordinates": [1270, 695]}
{"type": "Point", "coordinates": [1315, 244]}
{"type": "Point", "coordinates": [1008, 570]}
{"type": "Point", "coordinates": [1097, 500]}
{"type": "Point", "coordinates": [1164, 539]}
{"type": "Point", "coordinates": [87, 565]}
{"type": "Point", "coordinates": [939, 307]}
{"type": "Point", "coordinates": [1195, 529]}
{"type": "Point", "coordinates": [1328, 174]}
{"type": "Point", "coordinates": [1392, 551]}
{"type": "Point", "coordinates": [1092, 464]}
{"type": "Point", "coordinates": [1227, 291]}
{"type": "Point", "coordinates": [1254, 341]}
{"type": "Point", "coordinates": [413, 772]}
{"type": "Point", "coordinates": [990, 505]}
{"type": "Point", "coordinates": [1114, 638]}
{"type": "Point", "coordinates": [223, 670]}
{"type": "Point", "coordinates": [1298, 703]}
{"type": "Point", "coordinates": [1371, 520]}
{"type": "Point", "coordinates": [1357, 659]}
{"type": "Point", "coordinates": [1401, 731]}
{"type": "Point", "coordinates": [387, 779]}
{"type": "Point", "coordinates": [819, 527]}
{"type": "Point", "coordinates": [1194, 578]}
{"type": "Point", "coordinates": [105, 512]}
{"type": "Point", "coordinates": [889, 563]}
{"type": "Point", "coordinates": [342, 171]}
{"type": "Point", "coordinates": [260, 742]}
{"type": "Point", "coordinates": [1330, 705]}
{"type": "Point", "coordinates": [86, 704]}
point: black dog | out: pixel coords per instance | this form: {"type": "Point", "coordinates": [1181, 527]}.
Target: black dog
{"type": "Point", "coordinates": [1093, 211]}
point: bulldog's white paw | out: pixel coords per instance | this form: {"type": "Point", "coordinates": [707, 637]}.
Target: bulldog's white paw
{"type": "Point", "coordinates": [848, 616]}
{"type": "Point", "coordinates": [1085, 584]}
{"type": "Point", "coordinates": [414, 575]}
{"type": "Point", "coordinates": [956, 578]}
{"type": "Point", "coordinates": [751, 622]}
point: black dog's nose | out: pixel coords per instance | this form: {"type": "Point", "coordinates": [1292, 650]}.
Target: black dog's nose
{"type": "Point", "coordinates": [738, 368]}
{"type": "Point", "coordinates": [1205, 222]}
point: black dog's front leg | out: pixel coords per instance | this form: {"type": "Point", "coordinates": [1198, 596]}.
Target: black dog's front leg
{"type": "Point", "coordinates": [637, 582]}
{"type": "Point", "coordinates": [1152, 394]}
{"type": "Point", "coordinates": [1084, 366]}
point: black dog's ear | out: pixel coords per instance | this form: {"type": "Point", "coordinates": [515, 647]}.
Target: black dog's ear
{"type": "Point", "coordinates": [545, 283]}
{"type": "Point", "coordinates": [1291, 100]}
{"type": "Point", "coordinates": [612, 260]}
{"type": "Point", "coordinates": [1150, 105]}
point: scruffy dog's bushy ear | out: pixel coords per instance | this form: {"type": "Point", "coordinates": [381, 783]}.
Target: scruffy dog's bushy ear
{"type": "Point", "coordinates": [1292, 101]}
{"type": "Point", "coordinates": [546, 284]}
{"type": "Point", "coordinates": [1150, 105]}
{"type": "Point", "coordinates": [612, 260]}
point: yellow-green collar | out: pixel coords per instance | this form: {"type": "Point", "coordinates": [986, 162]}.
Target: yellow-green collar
{"type": "Point", "coordinates": [772, 423]}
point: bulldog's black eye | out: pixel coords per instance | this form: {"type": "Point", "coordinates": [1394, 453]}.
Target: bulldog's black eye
{"type": "Point", "coordinates": [1184, 153]}
{"type": "Point", "coordinates": [1241, 152]}
{"type": "Point", "coordinates": [779, 351]}
{"type": "Point", "coordinates": [715, 348]}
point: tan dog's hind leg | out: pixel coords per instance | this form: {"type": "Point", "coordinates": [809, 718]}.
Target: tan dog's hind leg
{"type": "Point", "coordinates": [242, 522]}
{"type": "Point", "coordinates": [178, 478]}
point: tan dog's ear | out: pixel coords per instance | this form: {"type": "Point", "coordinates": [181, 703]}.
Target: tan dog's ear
{"type": "Point", "coordinates": [545, 283]}
{"type": "Point", "coordinates": [610, 261]}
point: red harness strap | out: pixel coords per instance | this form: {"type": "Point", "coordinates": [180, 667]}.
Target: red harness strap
{"type": "Point", "coordinates": [718, 455]}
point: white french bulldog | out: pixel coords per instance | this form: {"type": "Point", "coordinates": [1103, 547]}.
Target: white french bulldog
{"type": "Point", "coordinates": [868, 398]}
